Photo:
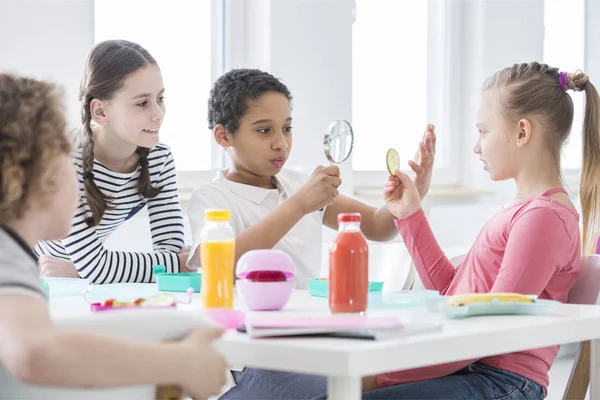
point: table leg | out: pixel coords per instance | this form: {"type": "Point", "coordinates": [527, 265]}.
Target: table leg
{"type": "Point", "coordinates": [595, 369]}
{"type": "Point", "coordinates": [344, 388]}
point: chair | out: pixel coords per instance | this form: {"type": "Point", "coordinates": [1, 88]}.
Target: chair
{"type": "Point", "coordinates": [585, 291]}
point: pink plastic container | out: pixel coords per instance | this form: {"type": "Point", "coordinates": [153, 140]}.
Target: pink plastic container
{"type": "Point", "coordinates": [265, 279]}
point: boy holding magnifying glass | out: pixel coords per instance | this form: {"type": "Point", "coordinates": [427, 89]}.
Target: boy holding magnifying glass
{"type": "Point", "coordinates": [249, 112]}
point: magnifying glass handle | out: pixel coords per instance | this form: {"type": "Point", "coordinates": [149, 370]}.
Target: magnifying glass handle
{"type": "Point", "coordinates": [330, 164]}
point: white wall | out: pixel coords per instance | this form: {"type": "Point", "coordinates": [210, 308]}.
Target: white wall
{"type": "Point", "coordinates": [48, 39]}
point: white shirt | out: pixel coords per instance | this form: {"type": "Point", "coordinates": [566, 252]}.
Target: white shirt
{"type": "Point", "coordinates": [248, 205]}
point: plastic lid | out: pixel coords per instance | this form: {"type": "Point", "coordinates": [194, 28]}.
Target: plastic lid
{"type": "Point", "coordinates": [264, 260]}
{"type": "Point", "coordinates": [217, 215]}
{"type": "Point", "coordinates": [353, 217]}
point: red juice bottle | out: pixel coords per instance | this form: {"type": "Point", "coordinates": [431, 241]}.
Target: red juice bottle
{"type": "Point", "coordinates": [348, 267]}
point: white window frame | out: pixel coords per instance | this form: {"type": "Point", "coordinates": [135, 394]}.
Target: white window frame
{"type": "Point", "coordinates": [443, 58]}
{"type": "Point", "coordinates": [221, 53]}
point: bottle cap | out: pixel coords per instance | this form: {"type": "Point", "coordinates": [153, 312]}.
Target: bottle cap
{"type": "Point", "coordinates": [353, 217]}
{"type": "Point", "coordinates": [214, 215]}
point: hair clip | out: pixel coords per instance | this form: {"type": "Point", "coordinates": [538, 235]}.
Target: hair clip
{"type": "Point", "coordinates": [88, 175]}
{"type": "Point", "coordinates": [563, 79]}
{"type": "Point", "coordinates": [143, 161]}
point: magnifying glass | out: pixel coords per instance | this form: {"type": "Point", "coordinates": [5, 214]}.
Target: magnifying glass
{"type": "Point", "coordinates": [338, 141]}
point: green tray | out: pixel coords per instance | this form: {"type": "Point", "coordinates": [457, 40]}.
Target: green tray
{"type": "Point", "coordinates": [494, 307]}
{"type": "Point", "coordinates": [176, 282]}
{"type": "Point", "coordinates": [320, 287]}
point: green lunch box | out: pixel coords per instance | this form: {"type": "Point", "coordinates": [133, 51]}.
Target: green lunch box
{"type": "Point", "coordinates": [176, 282]}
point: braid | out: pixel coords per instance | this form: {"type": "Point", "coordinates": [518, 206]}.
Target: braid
{"type": "Point", "coordinates": [96, 200]}
{"type": "Point", "coordinates": [144, 184]}
{"type": "Point", "coordinates": [577, 81]}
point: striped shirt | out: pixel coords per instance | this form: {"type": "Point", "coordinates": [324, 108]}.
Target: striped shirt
{"type": "Point", "coordinates": [85, 245]}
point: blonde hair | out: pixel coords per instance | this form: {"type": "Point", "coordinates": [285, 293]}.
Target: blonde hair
{"type": "Point", "coordinates": [537, 89]}
{"type": "Point", "coordinates": [32, 134]}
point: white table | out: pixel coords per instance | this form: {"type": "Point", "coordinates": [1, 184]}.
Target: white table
{"type": "Point", "coordinates": [346, 361]}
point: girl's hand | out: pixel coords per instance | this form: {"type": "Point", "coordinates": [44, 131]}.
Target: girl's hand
{"type": "Point", "coordinates": [401, 196]}
{"type": "Point", "coordinates": [57, 267]}
{"type": "Point", "coordinates": [423, 162]}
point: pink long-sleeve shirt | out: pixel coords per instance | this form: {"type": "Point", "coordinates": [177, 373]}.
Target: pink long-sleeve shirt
{"type": "Point", "coordinates": [529, 247]}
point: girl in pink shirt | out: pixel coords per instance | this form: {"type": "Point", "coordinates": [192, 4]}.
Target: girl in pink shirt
{"type": "Point", "coordinates": [530, 246]}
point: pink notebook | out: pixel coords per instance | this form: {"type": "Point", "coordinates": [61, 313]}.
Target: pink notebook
{"type": "Point", "coordinates": [333, 321]}
{"type": "Point", "coordinates": [355, 327]}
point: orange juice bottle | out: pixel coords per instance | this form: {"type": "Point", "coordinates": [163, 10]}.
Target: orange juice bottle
{"type": "Point", "coordinates": [217, 255]}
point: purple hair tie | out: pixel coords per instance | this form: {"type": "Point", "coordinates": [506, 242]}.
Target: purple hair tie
{"type": "Point", "coordinates": [563, 79]}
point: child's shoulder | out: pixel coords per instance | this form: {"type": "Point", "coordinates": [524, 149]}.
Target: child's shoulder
{"type": "Point", "coordinates": [160, 148]}
{"type": "Point", "coordinates": [18, 269]}
{"type": "Point", "coordinates": [545, 209]}
{"type": "Point", "coordinates": [550, 206]}
{"type": "Point", "coordinates": [160, 153]}
{"type": "Point", "coordinates": [213, 190]}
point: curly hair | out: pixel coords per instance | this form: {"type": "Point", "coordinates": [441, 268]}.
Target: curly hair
{"type": "Point", "coordinates": [228, 100]}
{"type": "Point", "coordinates": [32, 134]}
{"type": "Point", "coordinates": [108, 65]}
{"type": "Point", "coordinates": [538, 89]}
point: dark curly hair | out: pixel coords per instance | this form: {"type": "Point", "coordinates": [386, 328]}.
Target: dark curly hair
{"type": "Point", "coordinates": [32, 134]}
{"type": "Point", "coordinates": [228, 101]}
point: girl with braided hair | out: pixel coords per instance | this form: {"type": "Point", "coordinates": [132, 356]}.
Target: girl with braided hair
{"type": "Point", "coordinates": [122, 168]}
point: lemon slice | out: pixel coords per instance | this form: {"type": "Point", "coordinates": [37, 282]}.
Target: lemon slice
{"type": "Point", "coordinates": [392, 159]}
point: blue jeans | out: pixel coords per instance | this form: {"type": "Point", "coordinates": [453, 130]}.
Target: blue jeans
{"type": "Point", "coordinates": [477, 381]}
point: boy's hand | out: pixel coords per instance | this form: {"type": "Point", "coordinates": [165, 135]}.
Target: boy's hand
{"type": "Point", "coordinates": [319, 190]}
{"type": "Point", "coordinates": [183, 256]}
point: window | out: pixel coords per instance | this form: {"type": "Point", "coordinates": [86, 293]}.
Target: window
{"type": "Point", "coordinates": [398, 58]}
{"type": "Point", "coordinates": [182, 36]}
{"type": "Point", "coordinates": [564, 49]}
